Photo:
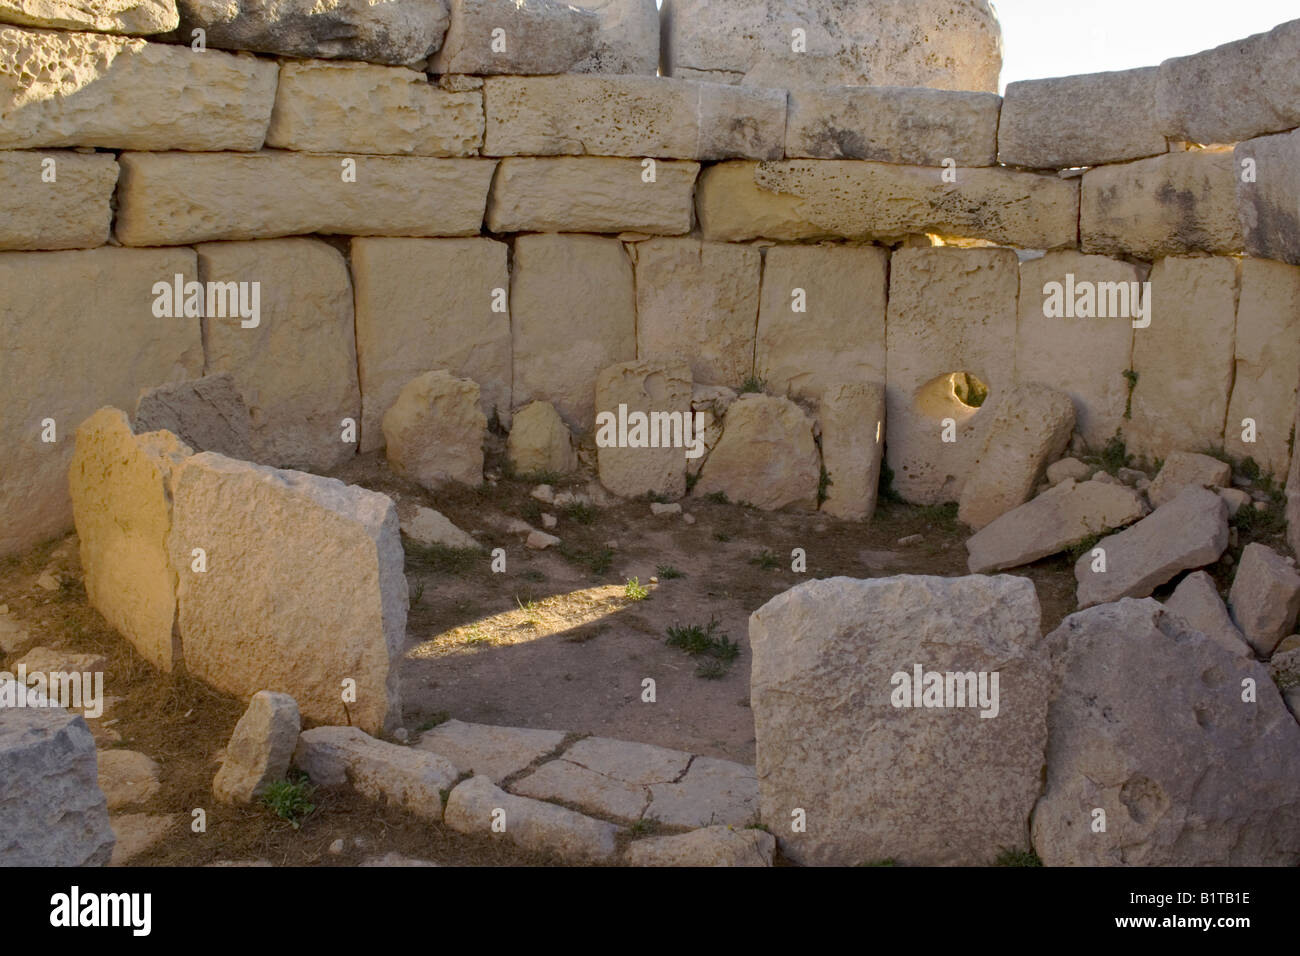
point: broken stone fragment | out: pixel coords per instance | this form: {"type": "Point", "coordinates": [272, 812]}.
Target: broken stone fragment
{"type": "Point", "coordinates": [435, 431]}
{"type": "Point", "coordinates": [402, 776]}
{"type": "Point", "coordinates": [260, 749]}
{"type": "Point", "coordinates": [1265, 597]}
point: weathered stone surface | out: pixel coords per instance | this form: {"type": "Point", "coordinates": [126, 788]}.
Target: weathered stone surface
{"type": "Point", "coordinates": [1147, 724]}
{"type": "Point", "coordinates": [851, 199]}
{"type": "Point", "coordinates": [1293, 496]}
{"type": "Point", "coordinates": [135, 17]}
{"type": "Point", "coordinates": [852, 419]}
{"type": "Point", "coordinates": [540, 36]}
{"type": "Point", "coordinates": [627, 37]}
{"type": "Point", "coordinates": [138, 833]}
{"type": "Point", "coordinates": [889, 124]}
{"type": "Point", "coordinates": [1085, 120]}
{"type": "Point", "coordinates": [1233, 92]}
{"type": "Point", "coordinates": [573, 314]}
{"type": "Point", "coordinates": [1265, 597]}
{"type": "Point", "coordinates": [631, 116]}
{"type": "Point", "coordinates": [591, 194]}
{"type": "Point", "coordinates": [430, 303]}
{"type": "Point", "coordinates": [656, 464]}
{"type": "Point", "coordinates": [1060, 517]}
{"type": "Point", "coordinates": [1164, 206]}
{"type": "Point", "coordinates": [207, 414]}
{"type": "Point", "coordinates": [434, 432]}
{"type": "Point", "coordinates": [317, 106]}
{"type": "Point", "coordinates": [711, 846]}
{"type": "Point", "coordinates": [1184, 359]}
{"type": "Point", "coordinates": [395, 859]}
{"type": "Point", "coordinates": [944, 45]}
{"type": "Point", "coordinates": [57, 366]}
{"type": "Point", "coordinates": [1085, 354]}
{"type": "Point", "coordinates": [121, 489]}
{"type": "Point", "coordinates": [1267, 207]}
{"type": "Point", "coordinates": [1267, 378]}
{"type": "Point", "coordinates": [1184, 469]}
{"type": "Point", "coordinates": [401, 776]}
{"type": "Point", "coordinates": [1197, 603]}
{"type": "Point", "coordinates": [601, 775]}
{"type": "Point", "coordinates": [52, 812]}
{"type": "Point", "coordinates": [178, 198]}
{"type": "Point", "coordinates": [402, 32]}
{"type": "Point", "coordinates": [697, 302]}
{"type": "Point", "coordinates": [540, 441]}
{"type": "Point", "coordinates": [766, 457]}
{"type": "Point", "coordinates": [260, 749]}
{"type": "Point", "coordinates": [492, 752]}
{"type": "Point", "coordinates": [274, 611]}
{"type": "Point", "coordinates": [297, 368]}
{"type": "Point", "coordinates": [50, 660]}
{"type": "Point", "coordinates": [530, 824]}
{"type": "Point", "coordinates": [1031, 426]}
{"type": "Point", "coordinates": [830, 333]}
{"type": "Point", "coordinates": [878, 781]}
{"type": "Point", "coordinates": [73, 212]}
{"type": "Point", "coordinates": [127, 777]}
{"type": "Point", "coordinates": [89, 89]}
{"type": "Point", "coordinates": [429, 527]}
{"type": "Point", "coordinates": [925, 354]}
{"type": "Point", "coordinates": [1189, 532]}
{"type": "Point", "coordinates": [711, 792]}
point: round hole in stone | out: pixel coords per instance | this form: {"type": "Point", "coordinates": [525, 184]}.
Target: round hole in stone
{"type": "Point", "coordinates": [957, 395]}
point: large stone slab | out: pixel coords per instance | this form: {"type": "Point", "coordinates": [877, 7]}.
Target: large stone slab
{"type": "Point", "coordinates": [1064, 515]}
{"type": "Point", "coordinates": [1184, 360]}
{"type": "Point", "coordinates": [1148, 724]}
{"type": "Point", "coordinates": [1188, 470]}
{"type": "Point", "coordinates": [711, 846]}
{"type": "Point", "coordinates": [493, 752]}
{"type": "Point", "coordinates": [207, 413]}
{"type": "Point", "coordinates": [852, 420]}
{"type": "Point", "coordinates": [260, 749]}
{"type": "Point", "coordinates": [275, 609]}
{"type": "Point", "coordinates": [1197, 603]}
{"type": "Point", "coordinates": [135, 17]}
{"type": "Point", "coordinates": [57, 365]}
{"type": "Point", "coordinates": [1267, 201]}
{"type": "Point", "coordinates": [1076, 332]}
{"type": "Point", "coordinates": [297, 368]}
{"type": "Point", "coordinates": [875, 780]}
{"type": "Point", "coordinates": [52, 812]}
{"type": "Point", "coordinates": [435, 430]}
{"type": "Point", "coordinates": [1265, 597]}
{"type": "Point", "coordinates": [401, 776]}
{"type": "Point", "coordinates": [891, 124]}
{"type": "Point", "coordinates": [178, 198]}
{"type": "Point", "coordinates": [591, 194]}
{"type": "Point", "coordinates": [767, 456]}
{"type": "Point", "coordinates": [573, 314]}
{"type": "Point", "coordinates": [430, 303]}
{"type": "Point", "coordinates": [946, 45]}
{"type": "Point", "coordinates": [821, 317]}
{"type": "Point", "coordinates": [1234, 91]}
{"type": "Point", "coordinates": [317, 106]}
{"type": "Point", "coordinates": [1086, 120]}
{"type": "Point", "coordinates": [402, 32]}
{"type": "Point", "coordinates": [89, 89]}
{"type": "Point", "coordinates": [1168, 205]}
{"type": "Point", "coordinates": [929, 341]}
{"type": "Point", "coordinates": [121, 489]}
{"type": "Point", "coordinates": [1189, 532]}
{"type": "Point", "coordinates": [613, 778]}
{"type": "Point", "coordinates": [654, 464]}
{"type": "Point", "coordinates": [711, 792]}
{"type": "Point", "coordinates": [1267, 377]}
{"type": "Point", "coordinates": [524, 37]}
{"type": "Point", "coordinates": [698, 302]}
{"type": "Point", "coordinates": [804, 199]}
{"type": "Point", "coordinates": [74, 211]}
{"type": "Point", "coordinates": [631, 116]}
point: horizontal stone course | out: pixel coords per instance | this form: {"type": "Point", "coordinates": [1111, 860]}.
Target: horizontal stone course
{"type": "Point", "coordinates": [1268, 200]}
{"type": "Point", "coordinates": [74, 211]}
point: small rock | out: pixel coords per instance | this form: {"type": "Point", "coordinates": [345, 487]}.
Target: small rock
{"type": "Point", "coordinates": [1235, 499]}
{"type": "Point", "coordinates": [1106, 478]}
{"type": "Point", "coordinates": [336, 847]}
{"type": "Point", "coordinates": [1058, 471]}
{"type": "Point", "coordinates": [127, 777]}
{"type": "Point", "coordinates": [517, 526]}
{"type": "Point", "coordinates": [910, 539]}
{"type": "Point", "coordinates": [1261, 506]}
{"type": "Point", "coordinates": [688, 518]}
{"type": "Point", "coordinates": [612, 544]}
{"type": "Point", "coordinates": [540, 540]}
{"type": "Point", "coordinates": [544, 493]}
{"type": "Point", "coordinates": [549, 520]}
{"type": "Point", "coordinates": [1196, 600]}
{"type": "Point", "coordinates": [658, 509]}
{"type": "Point", "coordinates": [1265, 598]}
{"type": "Point", "coordinates": [260, 749]}
{"type": "Point", "coordinates": [50, 660]}
{"type": "Point", "coordinates": [137, 833]}
{"type": "Point", "coordinates": [401, 735]}
{"type": "Point", "coordinates": [429, 527]}
{"type": "Point", "coordinates": [48, 581]}
{"type": "Point", "coordinates": [394, 859]}
{"type": "Point", "coordinates": [1130, 476]}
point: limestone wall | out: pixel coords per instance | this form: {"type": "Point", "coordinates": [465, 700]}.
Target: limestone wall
{"type": "Point", "coordinates": [539, 206]}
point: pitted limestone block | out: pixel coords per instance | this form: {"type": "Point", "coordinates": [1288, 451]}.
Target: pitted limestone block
{"type": "Point", "coordinates": [317, 105]}
{"type": "Point", "coordinates": [176, 198]}
{"type": "Point", "coordinates": [1076, 332]}
{"type": "Point", "coordinates": [934, 347]}
{"type": "Point", "coordinates": [852, 419]}
{"type": "Point", "coordinates": [89, 89]}
{"type": "Point", "coordinates": [661, 391]}
{"type": "Point", "coordinates": [74, 211]}
{"type": "Point", "coordinates": [297, 368]}
{"type": "Point", "coordinates": [821, 317]}
{"type": "Point", "coordinates": [434, 432]}
{"type": "Point", "coordinates": [697, 302]}
{"type": "Point", "coordinates": [524, 37]}
{"type": "Point", "coordinates": [1268, 199]}
{"type": "Point", "coordinates": [425, 303]}
{"type": "Point", "coordinates": [1164, 206]}
{"type": "Point", "coordinates": [275, 609]}
{"type": "Point", "coordinates": [135, 17]}
{"type": "Point", "coordinates": [1184, 360]}
{"type": "Point", "coordinates": [767, 456]}
{"type": "Point", "coordinates": [1086, 120]}
{"type": "Point", "coordinates": [592, 194]}
{"type": "Point", "coordinates": [573, 314]}
{"type": "Point", "coordinates": [58, 368]}
{"type": "Point", "coordinates": [889, 124]}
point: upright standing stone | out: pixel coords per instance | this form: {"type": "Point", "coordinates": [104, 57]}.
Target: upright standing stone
{"type": "Point", "coordinates": [852, 419]}
{"type": "Point", "coordinates": [767, 456]}
{"type": "Point", "coordinates": [434, 432]}
{"type": "Point", "coordinates": [260, 749]}
{"type": "Point", "coordinates": [660, 391]}
{"type": "Point", "coordinates": [540, 441]}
